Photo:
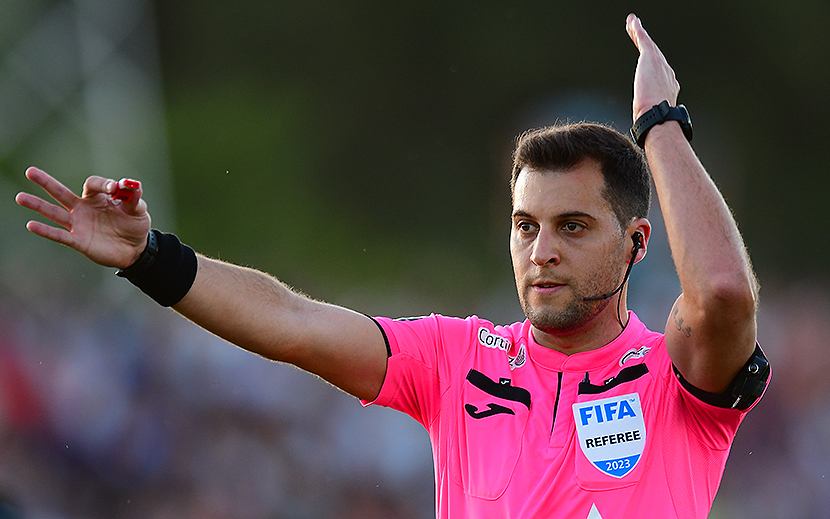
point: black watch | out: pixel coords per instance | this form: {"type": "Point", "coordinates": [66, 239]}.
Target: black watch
{"type": "Point", "coordinates": [147, 258]}
{"type": "Point", "coordinates": [658, 115]}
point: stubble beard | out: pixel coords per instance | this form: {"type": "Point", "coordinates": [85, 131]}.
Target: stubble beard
{"type": "Point", "coordinates": [576, 313]}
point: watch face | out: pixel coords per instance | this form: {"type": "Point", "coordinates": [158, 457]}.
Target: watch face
{"type": "Point", "coordinates": [685, 122]}
{"type": "Point", "coordinates": [684, 114]}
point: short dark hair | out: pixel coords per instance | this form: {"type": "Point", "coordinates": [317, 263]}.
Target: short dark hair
{"type": "Point", "coordinates": [563, 147]}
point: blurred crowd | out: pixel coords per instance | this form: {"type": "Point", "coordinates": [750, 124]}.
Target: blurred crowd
{"type": "Point", "coordinates": [128, 411]}
{"type": "Point", "coordinates": [106, 413]}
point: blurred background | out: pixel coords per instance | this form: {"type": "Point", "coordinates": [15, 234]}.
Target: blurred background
{"type": "Point", "coordinates": [360, 151]}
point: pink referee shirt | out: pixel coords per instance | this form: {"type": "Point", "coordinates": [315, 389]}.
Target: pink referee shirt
{"type": "Point", "coordinates": [522, 431]}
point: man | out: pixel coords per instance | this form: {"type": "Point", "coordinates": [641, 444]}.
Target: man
{"type": "Point", "coordinates": [579, 411]}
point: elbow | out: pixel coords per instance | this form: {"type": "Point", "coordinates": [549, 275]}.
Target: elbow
{"type": "Point", "coordinates": [734, 298]}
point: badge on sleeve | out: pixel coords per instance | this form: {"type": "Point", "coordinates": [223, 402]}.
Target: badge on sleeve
{"type": "Point", "coordinates": [612, 433]}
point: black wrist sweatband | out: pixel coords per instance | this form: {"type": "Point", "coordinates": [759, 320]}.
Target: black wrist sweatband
{"type": "Point", "coordinates": [166, 269]}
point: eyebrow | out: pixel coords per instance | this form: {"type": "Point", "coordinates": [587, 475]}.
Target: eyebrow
{"type": "Point", "coordinates": [569, 214]}
{"type": "Point", "coordinates": [520, 213]}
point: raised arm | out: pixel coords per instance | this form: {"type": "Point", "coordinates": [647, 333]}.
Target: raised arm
{"type": "Point", "coordinates": [711, 330]}
{"type": "Point", "coordinates": [241, 305]}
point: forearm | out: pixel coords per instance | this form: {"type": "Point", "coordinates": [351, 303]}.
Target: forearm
{"type": "Point", "coordinates": [243, 306]}
{"type": "Point", "coordinates": [707, 247]}
{"type": "Point", "coordinates": [260, 314]}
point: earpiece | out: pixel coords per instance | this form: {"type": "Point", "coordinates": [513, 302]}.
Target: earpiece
{"type": "Point", "coordinates": [637, 238]}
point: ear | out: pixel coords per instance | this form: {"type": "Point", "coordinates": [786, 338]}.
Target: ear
{"type": "Point", "coordinates": [643, 227]}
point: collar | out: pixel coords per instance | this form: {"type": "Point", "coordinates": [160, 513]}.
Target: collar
{"type": "Point", "coordinates": [587, 360]}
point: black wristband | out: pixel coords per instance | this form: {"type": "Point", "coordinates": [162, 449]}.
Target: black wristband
{"type": "Point", "coordinates": [659, 114]}
{"type": "Point", "coordinates": [166, 269]}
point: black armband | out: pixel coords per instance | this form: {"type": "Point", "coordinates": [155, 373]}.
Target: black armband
{"type": "Point", "coordinates": [166, 269]}
{"type": "Point", "coordinates": [747, 386]}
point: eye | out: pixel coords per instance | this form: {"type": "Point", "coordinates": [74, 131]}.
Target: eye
{"type": "Point", "coordinates": [525, 227]}
{"type": "Point", "coordinates": [572, 227]}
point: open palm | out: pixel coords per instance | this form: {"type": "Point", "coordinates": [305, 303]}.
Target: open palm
{"type": "Point", "coordinates": [109, 232]}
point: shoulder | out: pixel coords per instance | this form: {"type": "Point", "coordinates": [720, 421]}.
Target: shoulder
{"type": "Point", "coordinates": [434, 323]}
{"type": "Point", "coordinates": [436, 331]}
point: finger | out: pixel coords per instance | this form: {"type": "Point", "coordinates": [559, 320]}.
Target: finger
{"type": "Point", "coordinates": [51, 233]}
{"type": "Point", "coordinates": [635, 30]}
{"type": "Point", "coordinates": [56, 190]}
{"type": "Point", "coordinates": [630, 28]}
{"type": "Point", "coordinates": [57, 214]}
{"type": "Point", "coordinates": [132, 195]}
{"type": "Point", "coordinates": [638, 34]}
{"type": "Point", "coordinates": [135, 206]}
{"type": "Point", "coordinates": [95, 185]}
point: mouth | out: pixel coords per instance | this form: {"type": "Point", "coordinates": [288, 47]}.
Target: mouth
{"type": "Point", "coordinates": [546, 287]}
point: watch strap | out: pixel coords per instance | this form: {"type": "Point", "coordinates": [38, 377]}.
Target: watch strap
{"type": "Point", "coordinates": [659, 114]}
{"type": "Point", "coordinates": [145, 261]}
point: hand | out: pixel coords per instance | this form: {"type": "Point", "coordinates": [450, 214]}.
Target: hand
{"type": "Point", "coordinates": [654, 79]}
{"type": "Point", "coordinates": [112, 233]}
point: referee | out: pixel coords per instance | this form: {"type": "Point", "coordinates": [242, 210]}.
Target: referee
{"type": "Point", "coordinates": [578, 411]}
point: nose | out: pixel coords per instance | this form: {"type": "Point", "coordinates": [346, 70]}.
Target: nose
{"type": "Point", "coordinates": [545, 250]}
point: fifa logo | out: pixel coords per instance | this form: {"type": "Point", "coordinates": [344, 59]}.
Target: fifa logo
{"type": "Point", "coordinates": [612, 433]}
{"type": "Point", "coordinates": [607, 412]}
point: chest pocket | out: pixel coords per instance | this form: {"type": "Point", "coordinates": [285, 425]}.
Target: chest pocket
{"type": "Point", "coordinates": [611, 432]}
{"type": "Point", "coordinates": [487, 439]}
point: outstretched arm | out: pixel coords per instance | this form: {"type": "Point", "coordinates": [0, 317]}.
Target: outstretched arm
{"type": "Point", "coordinates": [262, 315]}
{"type": "Point", "coordinates": [711, 330]}
{"type": "Point", "coordinates": [243, 306]}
